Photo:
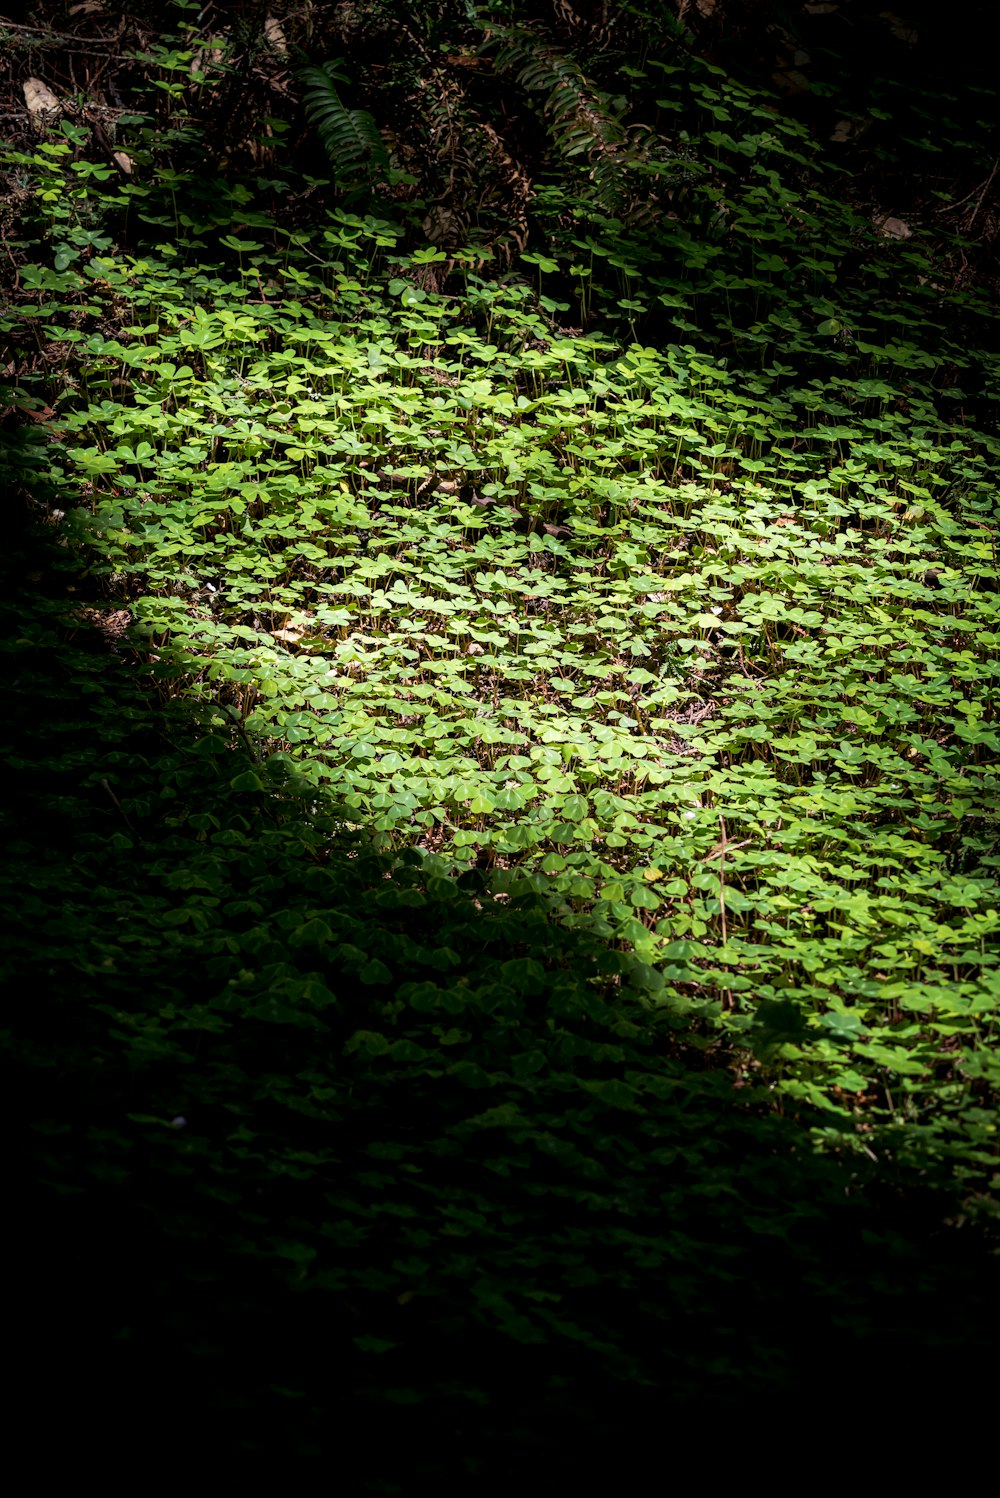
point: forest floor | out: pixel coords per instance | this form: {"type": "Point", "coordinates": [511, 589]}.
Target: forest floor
{"type": "Point", "coordinates": [502, 875]}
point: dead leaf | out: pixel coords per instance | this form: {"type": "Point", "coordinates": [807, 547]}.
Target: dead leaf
{"type": "Point", "coordinates": [125, 162]}
{"type": "Point", "coordinates": [894, 228]}
{"type": "Point", "coordinates": [41, 414]}
{"type": "Point", "coordinates": [900, 28]}
{"type": "Point", "coordinates": [41, 101]}
{"type": "Point", "coordinates": [211, 55]}
{"type": "Point", "coordinates": [274, 36]}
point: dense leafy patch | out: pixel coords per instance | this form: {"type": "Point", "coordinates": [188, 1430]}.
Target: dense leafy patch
{"type": "Point", "coordinates": [707, 653]}
{"type": "Point", "coordinates": [326, 1138]}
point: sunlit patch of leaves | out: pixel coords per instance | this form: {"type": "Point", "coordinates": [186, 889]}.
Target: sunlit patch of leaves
{"type": "Point", "coordinates": [569, 609]}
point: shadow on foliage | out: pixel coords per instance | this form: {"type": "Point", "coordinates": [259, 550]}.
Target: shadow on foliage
{"type": "Point", "coordinates": [323, 1156]}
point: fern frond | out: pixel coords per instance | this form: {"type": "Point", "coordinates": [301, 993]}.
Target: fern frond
{"type": "Point", "coordinates": [582, 117]}
{"type": "Point", "coordinates": [350, 137]}
{"type": "Point", "coordinates": [582, 121]}
{"type": "Point", "coordinates": [547, 69]}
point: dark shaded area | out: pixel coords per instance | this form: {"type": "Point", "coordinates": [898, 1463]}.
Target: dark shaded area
{"type": "Point", "coordinates": [508, 1225]}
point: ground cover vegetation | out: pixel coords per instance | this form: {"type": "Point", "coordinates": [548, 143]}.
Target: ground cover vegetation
{"type": "Point", "coordinates": [502, 693]}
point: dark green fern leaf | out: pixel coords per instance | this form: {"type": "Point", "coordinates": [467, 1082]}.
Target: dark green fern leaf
{"type": "Point", "coordinates": [581, 115]}
{"type": "Point", "coordinates": [584, 124]}
{"type": "Point", "coordinates": [350, 137]}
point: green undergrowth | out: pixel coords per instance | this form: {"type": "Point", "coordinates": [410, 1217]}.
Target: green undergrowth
{"type": "Point", "coordinates": [708, 654]}
{"type": "Point", "coordinates": [313, 1144]}
{"type": "Point", "coordinates": [529, 871]}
